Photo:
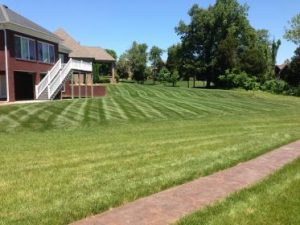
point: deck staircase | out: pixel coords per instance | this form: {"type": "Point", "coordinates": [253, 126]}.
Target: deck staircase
{"type": "Point", "coordinates": [53, 82]}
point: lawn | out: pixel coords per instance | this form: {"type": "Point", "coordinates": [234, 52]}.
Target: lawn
{"type": "Point", "coordinates": [62, 161]}
{"type": "Point", "coordinates": [276, 200]}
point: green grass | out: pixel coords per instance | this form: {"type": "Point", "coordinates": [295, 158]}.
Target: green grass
{"type": "Point", "coordinates": [64, 160]}
{"type": "Point", "coordinates": [276, 200]}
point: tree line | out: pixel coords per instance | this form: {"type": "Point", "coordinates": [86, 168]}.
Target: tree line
{"type": "Point", "coordinates": [218, 46]}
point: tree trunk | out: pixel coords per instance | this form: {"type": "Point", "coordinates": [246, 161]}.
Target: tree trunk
{"type": "Point", "coordinates": [194, 82]}
{"type": "Point", "coordinates": [208, 83]}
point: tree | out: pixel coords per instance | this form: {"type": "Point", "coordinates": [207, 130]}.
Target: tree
{"type": "Point", "coordinates": [96, 74]}
{"type": "Point", "coordinates": [148, 73]}
{"type": "Point", "coordinates": [164, 75]}
{"type": "Point", "coordinates": [253, 62]}
{"type": "Point", "coordinates": [215, 33]}
{"type": "Point", "coordinates": [137, 57]}
{"type": "Point", "coordinates": [292, 74]}
{"type": "Point", "coordinates": [293, 33]}
{"type": "Point", "coordinates": [156, 60]}
{"type": "Point", "coordinates": [275, 48]}
{"type": "Point", "coordinates": [256, 58]}
{"type": "Point", "coordinates": [104, 69]}
{"type": "Point", "coordinates": [268, 51]}
{"type": "Point", "coordinates": [175, 59]}
{"type": "Point", "coordinates": [226, 55]}
{"type": "Point", "coordinates": [174, 78]}
{"type": "Point", "coordinates": [123, 67]}
{"type": "Point", "coordinates": [112, 53]}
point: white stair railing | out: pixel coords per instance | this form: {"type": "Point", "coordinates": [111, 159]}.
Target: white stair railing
{"type": "Point", "coordinates": [58, 80]}
{"type": "Point", "coordinates": [48, 78]}
{"type": "Point", "coordinates": [58, 74]}
{"type": "Point", "coordinates": [63, 74]}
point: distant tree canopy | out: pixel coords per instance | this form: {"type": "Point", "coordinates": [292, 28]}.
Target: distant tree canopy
{"type": "Point", "coordinates": [123, 67]}
{"type": "Point", "coordinates": [134, 62]}
{"type": "Point", "coordinates": [221, 38]}
{"type": "Point", "coordinates": [292, 74]}
{"type": "Point", "coordinates": [157, 63]}
{"type": "Point", "coordinates": [112, 53]}
{"type": "Point", "coordinates": [220, 46]}
{"type": "Point", "coordinates": [155, 55]}
{"type": "Point", "coordinates": [293, 32]}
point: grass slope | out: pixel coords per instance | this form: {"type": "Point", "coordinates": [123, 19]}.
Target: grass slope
{"type": "Point", "coordinates": [64, 160]}
{"type": "Point", "coordinates": [273, 201]}
{"type": "Point", "coordinates": [127, 103]}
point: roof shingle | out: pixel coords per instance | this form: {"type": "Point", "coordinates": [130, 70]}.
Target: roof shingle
{"type": "Point", "coordinates": [79, 51]}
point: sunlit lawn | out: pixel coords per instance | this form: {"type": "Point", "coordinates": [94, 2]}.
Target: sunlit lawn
{"type": "Point", "coordinates": [64, 160]}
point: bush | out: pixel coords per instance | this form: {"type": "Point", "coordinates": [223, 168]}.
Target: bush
{"type": "Point", "coordinates": [127, 81]}
{"type": "Point", "coordinates": [117, 77]}
{"type": "Point", "coordinates": [235, 79]}
{"type": "Point", "coordinates": [164, 75]}
{"type": "Point", "coordinates": [104, 79]}
{"type": "Point", "coordinates": [96, 73]}
{"type": "Point", "coordinates": [293, 91]}
{"type": "Point", "coordinates": [174, 78]}
{"type": "Point", "coordinates": [276, 86]}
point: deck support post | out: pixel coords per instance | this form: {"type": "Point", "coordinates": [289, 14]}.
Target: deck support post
{"type": "Point", "coordinates": [92, 84]}
{"type": "Point", "coordinates": [79, 85]}
{"type": "Point", "coordinates": [86, 92]}
{"type": "Point", "coordinates": [72, 85]}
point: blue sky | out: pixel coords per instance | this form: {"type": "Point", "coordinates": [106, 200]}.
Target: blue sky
{"type": "Point", "coordinates": [116, 23]}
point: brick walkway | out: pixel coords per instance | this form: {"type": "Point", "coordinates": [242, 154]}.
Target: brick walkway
{"type": "Point", "coordinates": [169, 206]}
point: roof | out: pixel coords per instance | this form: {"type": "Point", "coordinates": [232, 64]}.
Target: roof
{"type": "Point", "coordinates": [282, 66]}
{"type": "Point", "coordinates": [9, 17]}
{"type": "Point", "coordinates": [79, 51]}
{"type": "Point", "coordinates": [63, 48]}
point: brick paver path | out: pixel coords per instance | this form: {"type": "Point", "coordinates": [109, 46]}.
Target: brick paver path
{"type": "Point", "coordinates": [169, 206]}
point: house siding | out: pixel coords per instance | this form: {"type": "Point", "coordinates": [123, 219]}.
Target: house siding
{"type": "Point", "coordinates": [2, 52]}
{"type": "Point", "coordinates": [14, 64]}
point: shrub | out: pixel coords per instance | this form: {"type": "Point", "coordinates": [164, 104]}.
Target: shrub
{"type": "Point", "coordinates": [104, 79]}
{"type": "Point", "coordinates": [235, 79]}
{"type": "Point", "coordinates": [276, 86]}
{"type": "Point", "coordinates": [164, 75]}
{"type": "Point", "coordinates": [174, 78]}
{"type": "Point", "coordinates": [117, 77]}
{"type": "Point", "coordinates": [294, 91]}
{"type": "Point", "coordinates": [96, 74]}
{"type": "Point", "coordinates": [127, 81]}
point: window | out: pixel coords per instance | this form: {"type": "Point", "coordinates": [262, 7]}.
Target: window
{"type": "Point", "coordinates": [62, 57]}
{"type": "Point", "coordinates": [25, 48]}
{"type": "Point", "coordinates": [46, 52]}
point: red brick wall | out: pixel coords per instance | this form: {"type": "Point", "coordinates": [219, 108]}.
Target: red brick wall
{"type": "Point", "coordinates": [21, 65]}
{"type": "Point", "coordinates": [85, 91]}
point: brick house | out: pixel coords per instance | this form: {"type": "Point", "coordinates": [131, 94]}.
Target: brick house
{"type": "Point", "coordinates": [34, 62]}
{"type": "Point", "coordinates": [85, 53]}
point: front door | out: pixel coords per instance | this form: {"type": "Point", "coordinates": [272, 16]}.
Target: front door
{"type": "Point", "coordinates": [3, 86]}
